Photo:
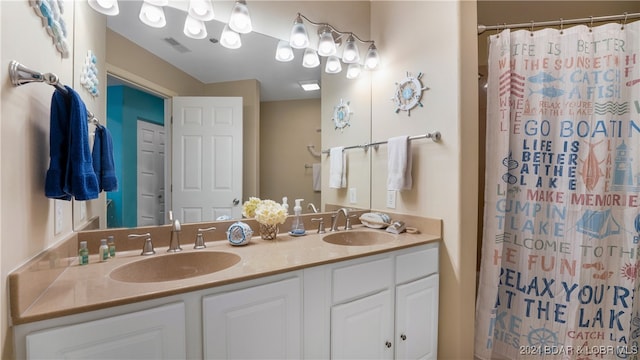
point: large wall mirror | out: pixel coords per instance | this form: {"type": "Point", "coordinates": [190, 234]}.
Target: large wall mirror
{"type": "Point", "coordinates": [281, 122]}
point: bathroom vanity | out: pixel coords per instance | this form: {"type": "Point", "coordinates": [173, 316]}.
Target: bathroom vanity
{"type": "Point", "coordinates": [293, 297]}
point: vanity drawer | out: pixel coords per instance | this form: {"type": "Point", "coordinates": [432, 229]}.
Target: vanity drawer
{"type": "Point", "coordinates": [363, 278]}
{"type": "Point", "coordinates": [417, 264]}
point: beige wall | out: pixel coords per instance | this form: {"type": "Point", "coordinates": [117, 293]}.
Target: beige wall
{"type": "Point", "coordinates": [28, 216]}
{"type": "Point", "coordinates": [435, 38]}
{"type": "Point", "coordinates": [286, 128]}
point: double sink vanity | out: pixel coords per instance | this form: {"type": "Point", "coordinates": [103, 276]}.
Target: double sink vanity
{"type": "Point", "coordinates": [360, 293]}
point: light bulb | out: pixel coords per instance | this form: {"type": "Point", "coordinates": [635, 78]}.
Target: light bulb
{"type": "Point", "coordinates": [333, 65]}
{"type": "Point", "coordinates": [350, 54]}
{"type": "Point", "coordinates": [353, 71]}
{"type": "Point", "coordinates": [230, 39]}
{"type": "Point", "coordinates": [201, 10]}
{"type": "Point", "coordinates": [158, 2]}
{"type": "Point", "coordinates": [240, 20]}
{"type": "Point", "coordinates": [371, 60]}
{"type": "Point", "coordinates": [326, 45]}
{"type": "Point", "coordinates": [107, 7]}
{"type": "Point", "coordinates": [299, 38]}
{"type": "Point", "coordinates": [152, 15]}
{"type": "Point", "coordinates": [284, 52]}
{"type": "Point", "coordinates": [310, 58]}
{"type": "Point", "coordinates": [194, 28]}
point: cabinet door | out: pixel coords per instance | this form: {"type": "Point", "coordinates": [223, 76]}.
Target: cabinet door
{"type": "Point", "coordinates": [363, 328]}
{"type": "Point", "coordinates": [157, 333]}
{"type": "Point", "coordinates": [261, 322]}
{"type": "Point", "coordinates": [417, 319]}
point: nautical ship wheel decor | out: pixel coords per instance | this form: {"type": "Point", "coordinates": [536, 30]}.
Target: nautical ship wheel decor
{"type": "Point", "coordinates": [341, 115]}
{"type": "Point", "coordinates": [408, 93]}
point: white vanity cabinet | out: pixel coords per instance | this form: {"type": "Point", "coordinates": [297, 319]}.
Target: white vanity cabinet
{"type": "Point", "coordinates": [260, 322]}
{"type": "Point", "coordinates": [157, 333]}
{"type": "Point", "coordinates": [383, 307]}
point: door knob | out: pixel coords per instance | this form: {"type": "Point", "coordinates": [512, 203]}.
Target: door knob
{"type": "Point", "coordinates": [236, 201]}
{"type": "Point", "coordinates": [388, 344]}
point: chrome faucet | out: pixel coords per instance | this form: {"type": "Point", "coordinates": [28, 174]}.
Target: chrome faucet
{"type": "Point", "coordinates": [147, 246]}
{"type": "Point", "coordinates": [334, 219]}
{"type": "Point", "coordinates": [312, 207]}
{"type": "Point", "coordinates": [174, 244]}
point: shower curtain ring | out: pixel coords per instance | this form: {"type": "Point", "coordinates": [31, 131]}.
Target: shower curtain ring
{"type": "Point", "coordinates": [532, 25]}
{"type": "Point", "coordinates": [591, 24]}
{"type": "Point", "coordinates": [624, 23]}
{"type": "Point", "coordinates": [561, 26]}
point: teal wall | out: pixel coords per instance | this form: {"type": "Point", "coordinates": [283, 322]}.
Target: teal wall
{"type": "Point", "coordinates": [125, 106]}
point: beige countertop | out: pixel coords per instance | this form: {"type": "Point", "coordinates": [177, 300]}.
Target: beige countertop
{"type": "Point", "coordinates": [76, 289]}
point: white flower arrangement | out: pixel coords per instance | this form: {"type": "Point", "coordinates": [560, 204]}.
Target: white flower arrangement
{"type": "Point", "coordinates": [267, 212]}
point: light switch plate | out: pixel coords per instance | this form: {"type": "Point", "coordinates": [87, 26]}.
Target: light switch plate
{"type": "Point", "coordinates": [83, 210]}
{"type": "Point", "coordinates": [391, 199]}
{"type": "Point", "coordinates": [353, 198]}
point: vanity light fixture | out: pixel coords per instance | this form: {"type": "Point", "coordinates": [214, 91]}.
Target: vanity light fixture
{"type": "Point", "coordinates": [299, 38]}
{"type": "Point", "coordinates": [350, 54]}
{"type": "Point", "coordinates": [230, 39]}
{"type": "Point", "coordinates": [284, 52]}
{"type": "Point", "coordinates": [194, 28]}
{"type": "Point", "coordinates": [152, 14]}
{"type": "Point", "coordinates": [240, 20]}
{"type": "Point", "coordinates": [333, 65]}
{"type": "Point", "coordinates": [372, 59]}
{"type": "Point", "coordinates": [326, 44]}
{"type": "Point", "coordinates": [310, 59]}
{"type": "Point", "coordinates": [107, 7]}
{"type": "Point", "coordinates": [353, 71]}
{"type": "Point", "coordinates": [330, 39]}
{"type": "Point", "coordinates": [201, 10]}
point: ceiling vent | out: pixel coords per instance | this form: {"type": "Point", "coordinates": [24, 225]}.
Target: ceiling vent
{"type": "Point", "coordinates": [176, 45]}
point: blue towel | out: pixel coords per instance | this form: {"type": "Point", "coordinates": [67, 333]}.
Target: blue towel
{"type": "Point", "coordinates": [103, 163]}
{"type": "Point", "coordinates": [70, 173]}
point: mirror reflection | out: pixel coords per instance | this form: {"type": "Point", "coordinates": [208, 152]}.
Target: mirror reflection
{"type": "Point", "coordinates": [281, 124]}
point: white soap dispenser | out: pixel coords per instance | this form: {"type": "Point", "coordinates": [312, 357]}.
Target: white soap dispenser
{"type": "Point", "coordinates": [297, 228]}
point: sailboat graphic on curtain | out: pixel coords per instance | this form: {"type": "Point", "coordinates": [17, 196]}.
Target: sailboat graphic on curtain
{"type": "Point", "coordinates": [560, 254]}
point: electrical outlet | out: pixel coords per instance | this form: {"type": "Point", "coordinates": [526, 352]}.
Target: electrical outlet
{"type": "Point", "coordinates": [391, 199]}
{"type": "Point", "coordinates": [352, 196]}
{"type": "Point", "coordinates": [58, 216]}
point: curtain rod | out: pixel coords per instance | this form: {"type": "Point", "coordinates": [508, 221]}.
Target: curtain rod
{"type": "Point", "coordinates": [591, 20]}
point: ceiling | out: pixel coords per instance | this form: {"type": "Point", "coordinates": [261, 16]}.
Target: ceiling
{"type": "Point", "coordinates": [211, 63]}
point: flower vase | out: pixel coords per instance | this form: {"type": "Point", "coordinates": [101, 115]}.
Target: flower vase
{"type": "Point", "coordinates": [268, 232]}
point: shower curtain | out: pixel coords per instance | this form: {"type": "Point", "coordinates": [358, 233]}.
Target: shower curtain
{"type": "Point", "coordinates": [561, 253]}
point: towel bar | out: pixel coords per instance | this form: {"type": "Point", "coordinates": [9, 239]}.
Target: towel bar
{"type": "Point", "coordinates": [21, 75]}
{"type": "Point", "coordinates": [435, 136]}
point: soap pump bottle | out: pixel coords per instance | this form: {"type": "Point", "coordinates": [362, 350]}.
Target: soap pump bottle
{"type": "Point", "coordinates": [297, 228]}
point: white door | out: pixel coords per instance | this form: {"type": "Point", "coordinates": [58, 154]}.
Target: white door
{"type": "Point", "coordinates": [417, 319]}
{"type": "Point", "coordinates": [151, 150]}
{"type": "Point", "coordinates": [363, 328]}
{"type": "Point", "coordinates": [206, 158]}
{"type": "Point", "coordinates": [261, 322]}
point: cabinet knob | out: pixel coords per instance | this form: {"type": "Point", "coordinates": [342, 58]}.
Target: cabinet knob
{"type": "Point", "coordinates": [388, 344]}
{"type": "Point", "coordinates": [403, 337]}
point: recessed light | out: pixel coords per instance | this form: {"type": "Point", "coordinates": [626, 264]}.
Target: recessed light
{"type": "Point", "coordinates": [310, 85]}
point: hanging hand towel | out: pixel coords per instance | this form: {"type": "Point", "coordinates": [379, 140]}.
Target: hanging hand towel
{"type": "Point", "coordinates": [317, 176]}
{"type": "Point", "coordinates": [399, 166]}
{"type": "Point", "coordinates": [103, 163]}
{"type": "Point", "coordinates": [337, 168]}
{"type": "Point", "coordinates": [70, 171]}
